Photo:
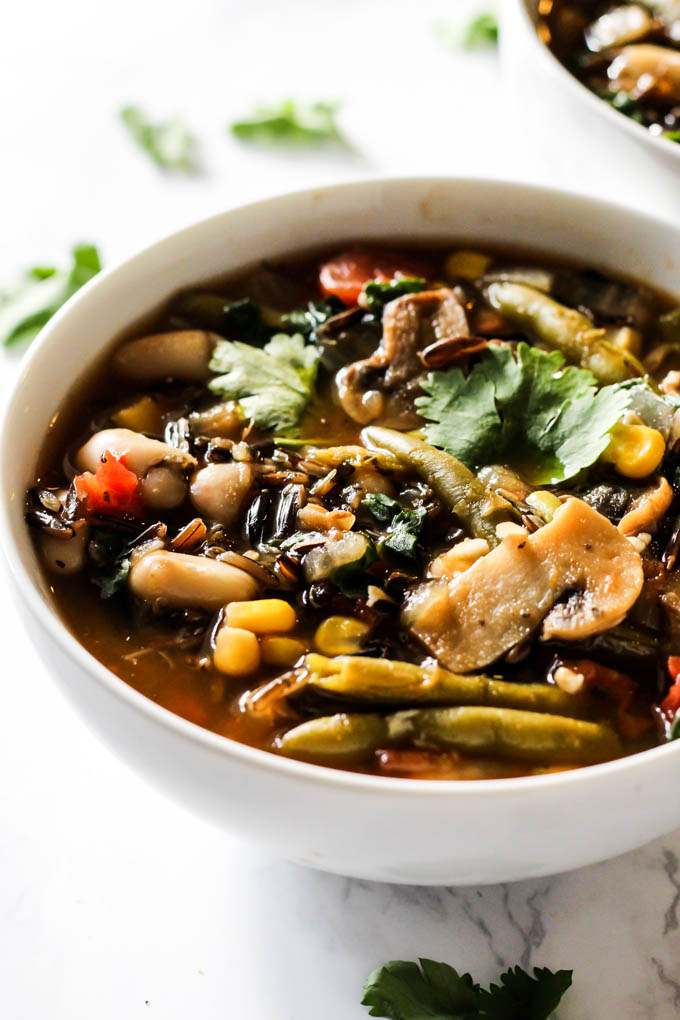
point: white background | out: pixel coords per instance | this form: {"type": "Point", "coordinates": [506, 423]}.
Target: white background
{"type": "Point", "coordinates": [113, 903]}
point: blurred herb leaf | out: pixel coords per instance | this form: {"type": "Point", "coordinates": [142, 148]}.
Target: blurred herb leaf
{"type": "Point", "coordinates": [291, 123]}
{"type": "Point", "coordinates": [480, 32]}
{"type": "Point", "coordinates": [169, 143]}
{"type": "Point", "coordinates": [40, 292]}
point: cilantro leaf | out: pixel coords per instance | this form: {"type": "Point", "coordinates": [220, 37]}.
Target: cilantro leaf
{"type": "Point", "coordinates": [549, 421]}
{"type": "Point", "coordinates": [41, 292]}
{"type": "Point", "coordinates": [273, 385]}
{"type": "Point", "coordinates": [376, 295]}
{"type": "Point", "coordinates": [402, 990]}
{"type": "Point", "coordinates": [110, 583]}
{"type": "Point", "coordinates": [404, 523]}
{"type": "Point", "coordinates": [169, 143]}
{"type": "Point", "coordinates": [480, 32]}
{"type": "Point", "coordinates": [521, 997]}
{"type": "Point", "coordinates": [672, 136]}
{"type": "Point", "coordinates": [307, 320]}
{"type": "Point", "coordinates": [290, 123]}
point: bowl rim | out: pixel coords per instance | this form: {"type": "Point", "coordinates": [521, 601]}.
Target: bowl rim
{"type": "Point", "coordinates": [47, 615]}
{"type": "Point", "coordinates": [581, 91]}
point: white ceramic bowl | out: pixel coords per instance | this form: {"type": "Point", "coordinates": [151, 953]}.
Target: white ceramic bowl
{"type": "Point", "coordinates": [389, 829]}
{"type": "Point", "coordinates": [615, 155]}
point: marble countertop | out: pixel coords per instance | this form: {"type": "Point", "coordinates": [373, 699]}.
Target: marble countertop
{"type": "Point", "coordinates": [113, 902]}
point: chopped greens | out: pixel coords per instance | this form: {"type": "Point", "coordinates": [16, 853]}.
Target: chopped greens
{"type": "Point", "coordinates": [112, 582]}
{"type": "Point", "coordinates": [274, 385]}
{"type": "Point", "coordinates": [41, 292]}
{"type": "Point", "coordinates": [404, 524]}
{"type": "Point", "coordinates": [290, 123]}
{"type": "Point", "coordinates": [376, 295]}
{"type": "Point", "coordinates": [403, 990]}
{"type": "Point", "coordinates": [108, 550]}
{"type": "Point", "coordinates": [480, 32]}
{"type": "Point", "coordinates": [547, 420]}
{"type": "Point", "coordinates": [243, 320]}
{"type": "Point", "coordinates": [169, 143]}
{"type": "Point", "coordinates": [307, 320]}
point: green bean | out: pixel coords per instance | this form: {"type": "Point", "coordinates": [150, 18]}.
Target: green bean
{"type": "Point", "coordinates": [565, 329]}
{"type": "Point", "coordinates": [507, 733]}
{"type": "Point", "coordinates": [335, 739]}
{"type": "Point", "coordinates": [382, 681]}
{"type": "Point", "coordinates": [478, 508]}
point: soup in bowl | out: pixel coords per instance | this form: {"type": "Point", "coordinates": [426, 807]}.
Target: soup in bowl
{"type": "Point", "coordinates": [330, 527]}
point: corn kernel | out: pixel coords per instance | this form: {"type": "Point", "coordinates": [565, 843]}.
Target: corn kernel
{"type": "Point", "coordinates": [281, 651]}
{"type": "Point", "coordinates": [466, 264]}
{"type": "Point", "coordinates": [262, 616]}
{"type": "Point", "coordinates": [237, 652]}
{"type": "Point", "coordinates": [544, 503]}
{"type": "Point", "coordinates": [340, 635]}
{"type": "Point", "coordinates": [142, 416]}
{"type": "Point", "coordinates": [635, 450]}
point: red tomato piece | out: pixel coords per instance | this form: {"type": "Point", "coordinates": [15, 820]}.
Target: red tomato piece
{"type": "Point", "coordinates": [670, 705]}
{"type": "Point", "coordinates": [344, 275]}
{"type": "Point", "coordinates": [112, 490]}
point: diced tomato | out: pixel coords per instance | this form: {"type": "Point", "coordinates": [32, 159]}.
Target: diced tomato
{"type": "Point", "coordinates": [112, 490]}
{"type": "Point", "coordinates": [345, 275]}
{"type": "Point", "coordinates": [670, 706]}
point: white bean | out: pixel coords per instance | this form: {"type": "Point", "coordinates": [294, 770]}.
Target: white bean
{"type": "Point", "coordinates": [66, 555]}
{"type": "Point", "coordinates": [163, 488]}
{"type": "Point", "coordinates": [191, 582]}
{"type": "Point", "coordinates": [219, 491]}
{"type": "Point", "coordinates": [184, 354]}
{"type": "Point", "coordinates": [140, 452]}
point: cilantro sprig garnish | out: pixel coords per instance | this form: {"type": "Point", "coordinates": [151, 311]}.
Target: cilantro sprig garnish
{"type": "Point", "coordinates": [547, 420]}
{"type": "Point", "coordinates": [169, 143]}
{"type": "Point", "coordinates": [403, 524]}
{"type": "Point", "coordinates": [273, 385]}
{"type": "Point", "coordinates": [403, 990]}
{"type": "Point", "coordinates": [41, 292]}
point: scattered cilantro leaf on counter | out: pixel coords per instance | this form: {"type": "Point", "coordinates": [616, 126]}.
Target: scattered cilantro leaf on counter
{"type": "Point", "coordinates": [376, 295]}
{"type": "Point", "coordinates": [403, 990]}
{"type": "Point", "coordinates": [291, 123]}
{"type": "Point", "coordinates": [169, 143]}
{"type": "Point", "coordinates": [548, 420]}
{"type": "Point", "coordinates": [41, 292]}
{"type": "Point", "coordinates": [273, 385]}
{"type": "Point", "coordinates": [480, 32]}
{"type": "Point", "coordinates": [404, 523]}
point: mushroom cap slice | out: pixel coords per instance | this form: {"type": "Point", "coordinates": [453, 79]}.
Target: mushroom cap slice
{"type": "Point", "coordinates": [503, 597]}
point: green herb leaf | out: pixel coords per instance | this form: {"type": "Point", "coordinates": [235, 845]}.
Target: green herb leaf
{"type": "Point", "coordinates": [520, 997]}
{"type": "Point", "coordinates": [435, 991]}
{"type": "Point", "coordinates": [480, 32]}
{"type": "Point", "coordinates": [376, 295]}
{"type": "Point", "coordinates": [169, 143]}
{"type": "Point", "coordinates": [549, 421]}
{"type": "Point", "coordinates": [242, 319]}
{"type": "Point", "coordinates": [674, 732]}
{"type": "Point", "coordinates": [291, 123]}
{"type": "Point", "coordinates": [402, 990]}
{"type": "Point", "coordinates": [113, 582]}
{"type": "Point", "coordinates": [307, 320]}
{"type": "Point", "coordinates": [672, 136]}
{"type": "Point", "coordinates": [404, 524]}
{"type": "Point", "coordinates": [273, 385]}
{"type": "Point", "coordinates": [41, 292]}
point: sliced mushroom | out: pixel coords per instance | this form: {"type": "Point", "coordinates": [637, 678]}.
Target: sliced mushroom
{"type": "Point", "coordinates": [647, 70]}
{"type": "Point", "coordinates": [648, 509]}
{"type": "Point", "coordinates": [503, 597]}
{"type": "Point", "coordinates": [625, 24]}
{"type": "Point", "coordinates": [380, 386]}
{"type": "Point", "coordinates": [184, 354]}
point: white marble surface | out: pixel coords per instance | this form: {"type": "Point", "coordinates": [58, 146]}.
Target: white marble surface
{"type": "Point", "coordinates": [113, 902]}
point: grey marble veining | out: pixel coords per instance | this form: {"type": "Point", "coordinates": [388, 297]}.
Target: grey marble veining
{"type": "Point", "coordinates": [616, 924]}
